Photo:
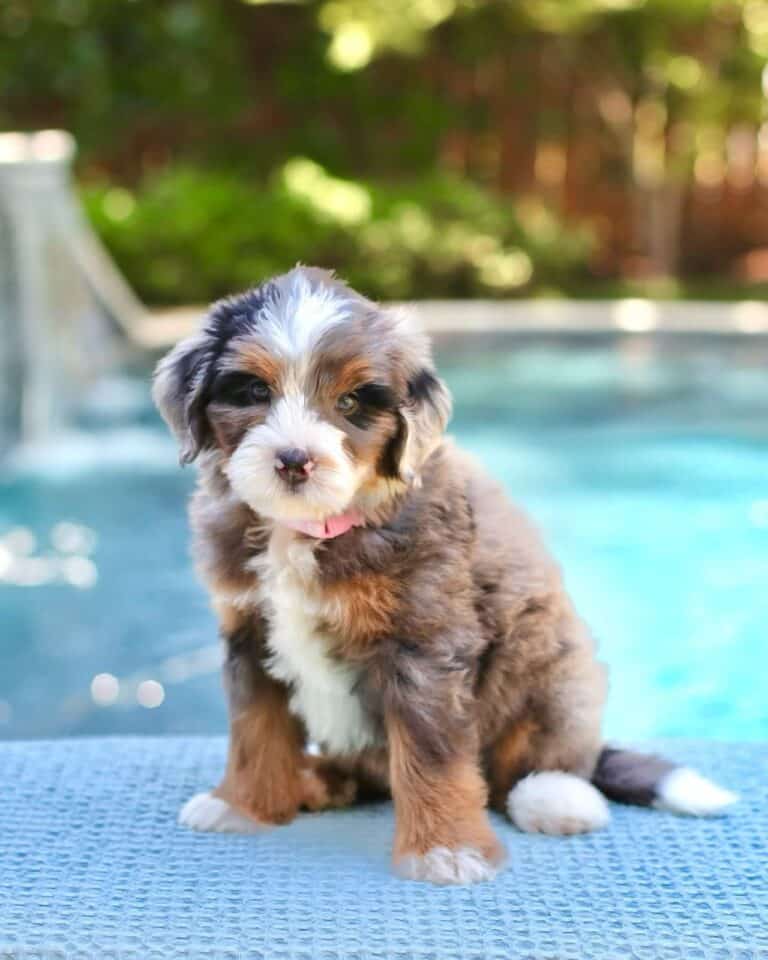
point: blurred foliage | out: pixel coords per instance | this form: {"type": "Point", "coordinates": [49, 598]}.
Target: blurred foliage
{"type": "Point", "coordinates": [193, 235]}
{"type": "Point", "coordinates": [124, 75]}
{"type": "Point", "coordinates": [430, 124]}
{"type": "Point", "coordinates": [109, 69]}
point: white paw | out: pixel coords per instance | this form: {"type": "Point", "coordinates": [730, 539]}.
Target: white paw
{"type": "Point", "coordinates": [206, 812]}
{"type": "Point", "coordinates": [443, 865]}
{"type": "Point", "coordinates": [557, 803]}
{"type": "Point", "coordinates": [684, 790]}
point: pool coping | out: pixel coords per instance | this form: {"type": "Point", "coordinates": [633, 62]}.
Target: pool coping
{"type": "Point", "coordinates": [163, 327]}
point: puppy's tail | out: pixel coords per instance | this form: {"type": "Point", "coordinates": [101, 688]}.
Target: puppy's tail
{"type": "Point", "coordinates": [647, 780]}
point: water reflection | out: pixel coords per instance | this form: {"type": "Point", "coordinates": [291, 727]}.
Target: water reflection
{"type": "Point", "coordinates": [108, 690]}
{"type": "Point", "coordinates": [67, 560]}
{"type": "Point", "coordinates": [105, 689]}
{"type": "Point", "coordinates": [643, 460]}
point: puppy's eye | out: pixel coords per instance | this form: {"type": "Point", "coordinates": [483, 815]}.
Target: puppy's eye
{"type": "Point", "coordinates": [347, 403]}
{"type": "Point", "coordinates": [258, 391]}
{"type": "Point", "coordinates": [241, 390]}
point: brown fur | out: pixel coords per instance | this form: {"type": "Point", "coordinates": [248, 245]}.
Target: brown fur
{"type": "Point", "coordinates": [263, 775]}
{"type": "Point", "coordinates": [436, 806]}
{"type": "Point", "coordinates": [262, 778]}
{"type": "Point", "coordinates": [472, 666]}
{"type": "Point", "coordinates": [361, 609]}
{"type": "Point", "coordinates": [336, 375]}
{"type": "Point", "coordinates": [509, 759]}
{"type": "Point", "coordinates": [255, 358]}
{"type": "Point", "coordinates": [326, 785]}
{"type": "Point", "coordinates": [268, 776]}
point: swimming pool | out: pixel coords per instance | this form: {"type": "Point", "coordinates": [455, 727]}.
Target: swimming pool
{"type": "Point", "coordinates": [644, 458]}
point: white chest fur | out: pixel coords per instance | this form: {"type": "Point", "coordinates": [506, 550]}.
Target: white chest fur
{"type": "Point", "coordinates": [322, 688]}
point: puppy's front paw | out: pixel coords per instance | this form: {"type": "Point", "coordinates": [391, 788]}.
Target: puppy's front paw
{"type": "Point", "coordinates": [206, 812]}
{"type": "Point", "coordinates": [443, 865]}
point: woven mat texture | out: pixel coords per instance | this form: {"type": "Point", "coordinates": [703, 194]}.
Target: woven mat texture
{"type": "Point", "coordinates": [93, 865]}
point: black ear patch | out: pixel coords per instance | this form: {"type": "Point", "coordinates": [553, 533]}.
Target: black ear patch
{"type": "Point", "coordinates": [373, 399]}
{"type": "Point", "coordinates": [188, 386]}
{"type": "Point", "coordinates": [423, 387]}
{"type": "Point", "coordinates": [195, 373]}
{"type": "Point", "coordinates": [392, 454]}
{"type": "Point", "coordinates": [179, 391]}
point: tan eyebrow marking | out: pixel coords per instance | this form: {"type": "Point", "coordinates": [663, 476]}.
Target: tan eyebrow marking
{"type": "Point", "coordinates": [333, 376]}
{"type": "Point", "coordinates": [252, 357]}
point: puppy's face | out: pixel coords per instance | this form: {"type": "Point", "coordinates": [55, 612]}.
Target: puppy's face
{"type": "Point", "coordinates": [311, 398]}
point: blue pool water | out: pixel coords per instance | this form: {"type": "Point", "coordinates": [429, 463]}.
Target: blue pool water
{"type": "Point", "coordinates": [644, 459]}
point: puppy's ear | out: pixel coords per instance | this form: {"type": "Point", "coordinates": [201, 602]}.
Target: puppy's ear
{"type": "Point", "coordinates": [422, 421]}
{"type": "Point", "coordinates": [181, 379]}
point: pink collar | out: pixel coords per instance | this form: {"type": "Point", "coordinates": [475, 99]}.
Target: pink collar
{"type": "Point", "coordinates": [329, 528]}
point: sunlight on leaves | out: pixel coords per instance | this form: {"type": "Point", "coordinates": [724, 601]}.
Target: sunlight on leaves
{"type": "Point", "coordinates": [351, 46]}
{"type": "Point", "coordinates": [361, 28]}
{"type": "Point", "coordinates": [341, 201]}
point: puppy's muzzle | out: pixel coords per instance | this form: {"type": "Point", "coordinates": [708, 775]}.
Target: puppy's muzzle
{"type": "Point", "coordinates": [294, 466]}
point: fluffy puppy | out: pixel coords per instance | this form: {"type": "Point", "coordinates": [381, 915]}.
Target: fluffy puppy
{"type": "Point", "coordinates": [379, 597]}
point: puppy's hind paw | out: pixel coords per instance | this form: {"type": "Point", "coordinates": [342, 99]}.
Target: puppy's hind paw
{"type": "Point", "coordinates": [556, 803]}
{"type": "Point", "coordinates": [442, 865]}
{"type": "Point", "coordinates": [208, 813]}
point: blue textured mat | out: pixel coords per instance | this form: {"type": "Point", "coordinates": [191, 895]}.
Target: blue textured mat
{"type": "Point", "coordinates": [93, 865]}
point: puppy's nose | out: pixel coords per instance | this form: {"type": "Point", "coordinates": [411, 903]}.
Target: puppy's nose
{"type": "Point", "coordinates": [294, 465]}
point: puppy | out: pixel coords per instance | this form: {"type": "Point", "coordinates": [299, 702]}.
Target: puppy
{"type": "Point", "coordinates": [379, 597]}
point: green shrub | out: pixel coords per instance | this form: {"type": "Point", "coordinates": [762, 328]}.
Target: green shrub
{"type": "Point", "coordinates": [188, 235]}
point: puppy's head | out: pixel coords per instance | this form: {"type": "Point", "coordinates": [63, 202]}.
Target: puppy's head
{"type": "Point", "coordinates": [311, 398]}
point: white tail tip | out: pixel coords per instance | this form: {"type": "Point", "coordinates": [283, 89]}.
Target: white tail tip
{"type": "Point", "coordinates": [684, 790]}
